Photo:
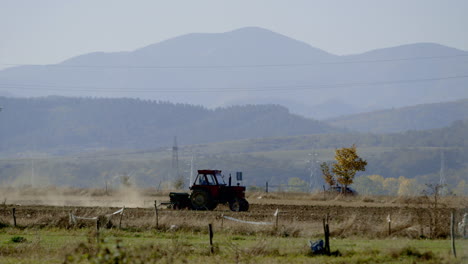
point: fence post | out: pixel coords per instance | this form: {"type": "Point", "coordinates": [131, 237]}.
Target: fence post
{"type": "Point", "coordinates": [14, 216]}
{"type": "Point", "coordinates": [222, 221]}
{"type": "Point", "coordinates": [389, 220]}
{"type": "Point", "coordinates": [156, 213]}
{"type": "Point", "coordinates": [266, 187]}
{"type": "Point", "coordinates": [98, 222]}
{"type": "Point", "coordinates": [465, 217]}
{"type": "Point", "coordinates": [276, 216]}
{"type": "Point", "coordinates": [452, 233]}
{"type": "Point", "coordinates": [121, 215]}
{"type": "Point", "coordinates": [326, 231]}
{"type": "Point", "coordinates": [70, 219]}
{"type": "Point", "coordinates": [210, 228]}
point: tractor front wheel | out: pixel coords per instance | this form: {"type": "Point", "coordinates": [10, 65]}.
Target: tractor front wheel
{"type": "Point", "coordinates": [239, 205]}
{"type": "Point", "coordinates": [201, 200]}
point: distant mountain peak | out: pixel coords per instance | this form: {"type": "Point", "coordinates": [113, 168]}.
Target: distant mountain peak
{"type": "Point", "coordinates": [252, 29]}
{"type": "Point", "coordinates": [240, 37]}
{"type": "Point", "coordinates": [421, 49]}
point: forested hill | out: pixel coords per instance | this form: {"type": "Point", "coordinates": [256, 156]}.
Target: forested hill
{"type": "Point", "coordinates": [76, 124]}
{"type": "Point", "coordinates": [453, 136]}
{"type": "Point", "coordinates": [418, 117]}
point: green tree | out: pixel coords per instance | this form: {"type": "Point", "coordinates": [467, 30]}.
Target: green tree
{"type": "Point", "coordinates": [125, 180]}
{"type": "Point", "coordinates": [408, 187]}
{"type": "Point", "coordinates": [179, 183]}
{"type": "Point", "coordinates": [377, 184]}
{"type": "Point", "coordinates": [327, 175]}
{"type": "Point", "coordinates": [390, 186]}
{"type": "Point", "coordinates": [364, 185]}
{"type": "Point", "coordinates": [347, 164]}
{"type": "Point", "coordinates": [371, 184]}
{"type": "Point", "coordinates": [295, 184]}
{"type": "Point", "coordinates": [461, 188]}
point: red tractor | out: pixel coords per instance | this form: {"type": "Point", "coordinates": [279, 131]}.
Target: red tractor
{"type": "Point", "coordinates": [209, 190]}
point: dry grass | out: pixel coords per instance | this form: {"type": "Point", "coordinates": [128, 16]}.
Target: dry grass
{"type": "Point", "coordinates": [188, 247]}
{"type": "Point", "coordinates": [301, 214]}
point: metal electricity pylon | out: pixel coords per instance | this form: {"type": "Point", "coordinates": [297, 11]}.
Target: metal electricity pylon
{"type": "Point", "coordinates": [191, 173]}
{"type": "Point", "coordinates": [442, 181]}
{"type": "Point", "coordinates": [175, 162]}
{"type": "Point", "coordinates": [314, 181]}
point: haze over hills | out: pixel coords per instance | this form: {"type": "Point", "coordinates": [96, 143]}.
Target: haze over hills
{"type": "Point", "coordinates": [70, 125]}
{"type": "Point", "coordinates": [418, 117]}
{"type": "Point", "coordinates": [54, 124]}
{"type": "Point", "coordinates": [255, 65]}
{"type": "Point", "coordinates": [75, 141]}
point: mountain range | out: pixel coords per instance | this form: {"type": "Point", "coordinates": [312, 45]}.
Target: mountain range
{"type": "Point", "coordinates": [417, 117]}
{"type": "Point", "coordinates": [252, 66]}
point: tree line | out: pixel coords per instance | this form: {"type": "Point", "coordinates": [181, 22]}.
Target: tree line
{"type": "Point", "coordinates": [61, 124]}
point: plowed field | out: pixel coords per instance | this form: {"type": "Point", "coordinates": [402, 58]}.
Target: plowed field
{"type": "Point", "coordinates": [299, 215]}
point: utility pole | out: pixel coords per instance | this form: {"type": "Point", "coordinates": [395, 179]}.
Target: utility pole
{"type": "Point", "coordinates": [175, 161]}
{"type": "Point", "coordinates": [191, 173]}
{"type": "Point", "coordinates": [442, 181]}
{"type": "Point", "coordinates": [313, 177]}
{"type": "Point", "coordinates": [32, 172]}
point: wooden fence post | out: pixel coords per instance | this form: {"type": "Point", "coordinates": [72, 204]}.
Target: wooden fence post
{"type": "Point", "coordinates": [452, 233]}
{"type": "Point", "coordinates": [266, 187]}
{"type": "Point", "coordinates": [156, 213]}
{"type": "Point", "coordinates": [222, 221]}
{"type": "Point", "coordinates": [98, 222]}
{"type": "Point", "coordinates": [328, 238]}
{"type": "Point", "coordinates": [389, 220]}
{"type": "Point", "coordinates": [14, 216]}
{"type": "Point", "coordinates": [120, 220]}
{"type": "Point", "coordinates": [210, 228]}
{"type": "Point", "coordinates": [464, 225]}
{"type": "Point", "coordinates": [276, 216]}
{"type": "Point", "coordinates": [326, 231]}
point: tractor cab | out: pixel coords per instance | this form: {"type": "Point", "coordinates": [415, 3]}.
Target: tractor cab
{"type": "Point", "coordinates": [209, 177]}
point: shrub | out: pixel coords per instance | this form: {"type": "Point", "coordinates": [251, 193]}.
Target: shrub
{"type": "Point", "coordinates": [412, 252]}
{"type": "Point", "coordinates": [18, 239]}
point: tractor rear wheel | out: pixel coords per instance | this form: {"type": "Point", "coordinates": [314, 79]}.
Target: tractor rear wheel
{"type": "Point", "coordinates": [244, 205]}
{"type": "Point", "coordinates": [201, 200]}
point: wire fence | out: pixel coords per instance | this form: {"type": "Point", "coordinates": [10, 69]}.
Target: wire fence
{"type": "Point", "coordinates": [382, 244]}
{"type": "Point", "coordinates": [173, 217]}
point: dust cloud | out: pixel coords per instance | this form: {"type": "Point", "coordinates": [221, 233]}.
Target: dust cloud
{"type": "Point", "coordinates": [67, 196]}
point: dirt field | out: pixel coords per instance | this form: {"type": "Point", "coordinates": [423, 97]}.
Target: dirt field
{"type": "Point", "coordinates": [299, 214]}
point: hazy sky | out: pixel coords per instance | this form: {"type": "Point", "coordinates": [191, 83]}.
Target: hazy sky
{"type": "Point", "coordinates": [47, 31]}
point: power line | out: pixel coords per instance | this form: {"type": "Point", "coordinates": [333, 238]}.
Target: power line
{"type": "Point", "coordinates": [234, 66]}
{"type": "Point", "coordinates": [225, 89]}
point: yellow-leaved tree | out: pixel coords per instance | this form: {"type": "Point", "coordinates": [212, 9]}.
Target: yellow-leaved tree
{"type": "Point", "coordinates": [347, 164]}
